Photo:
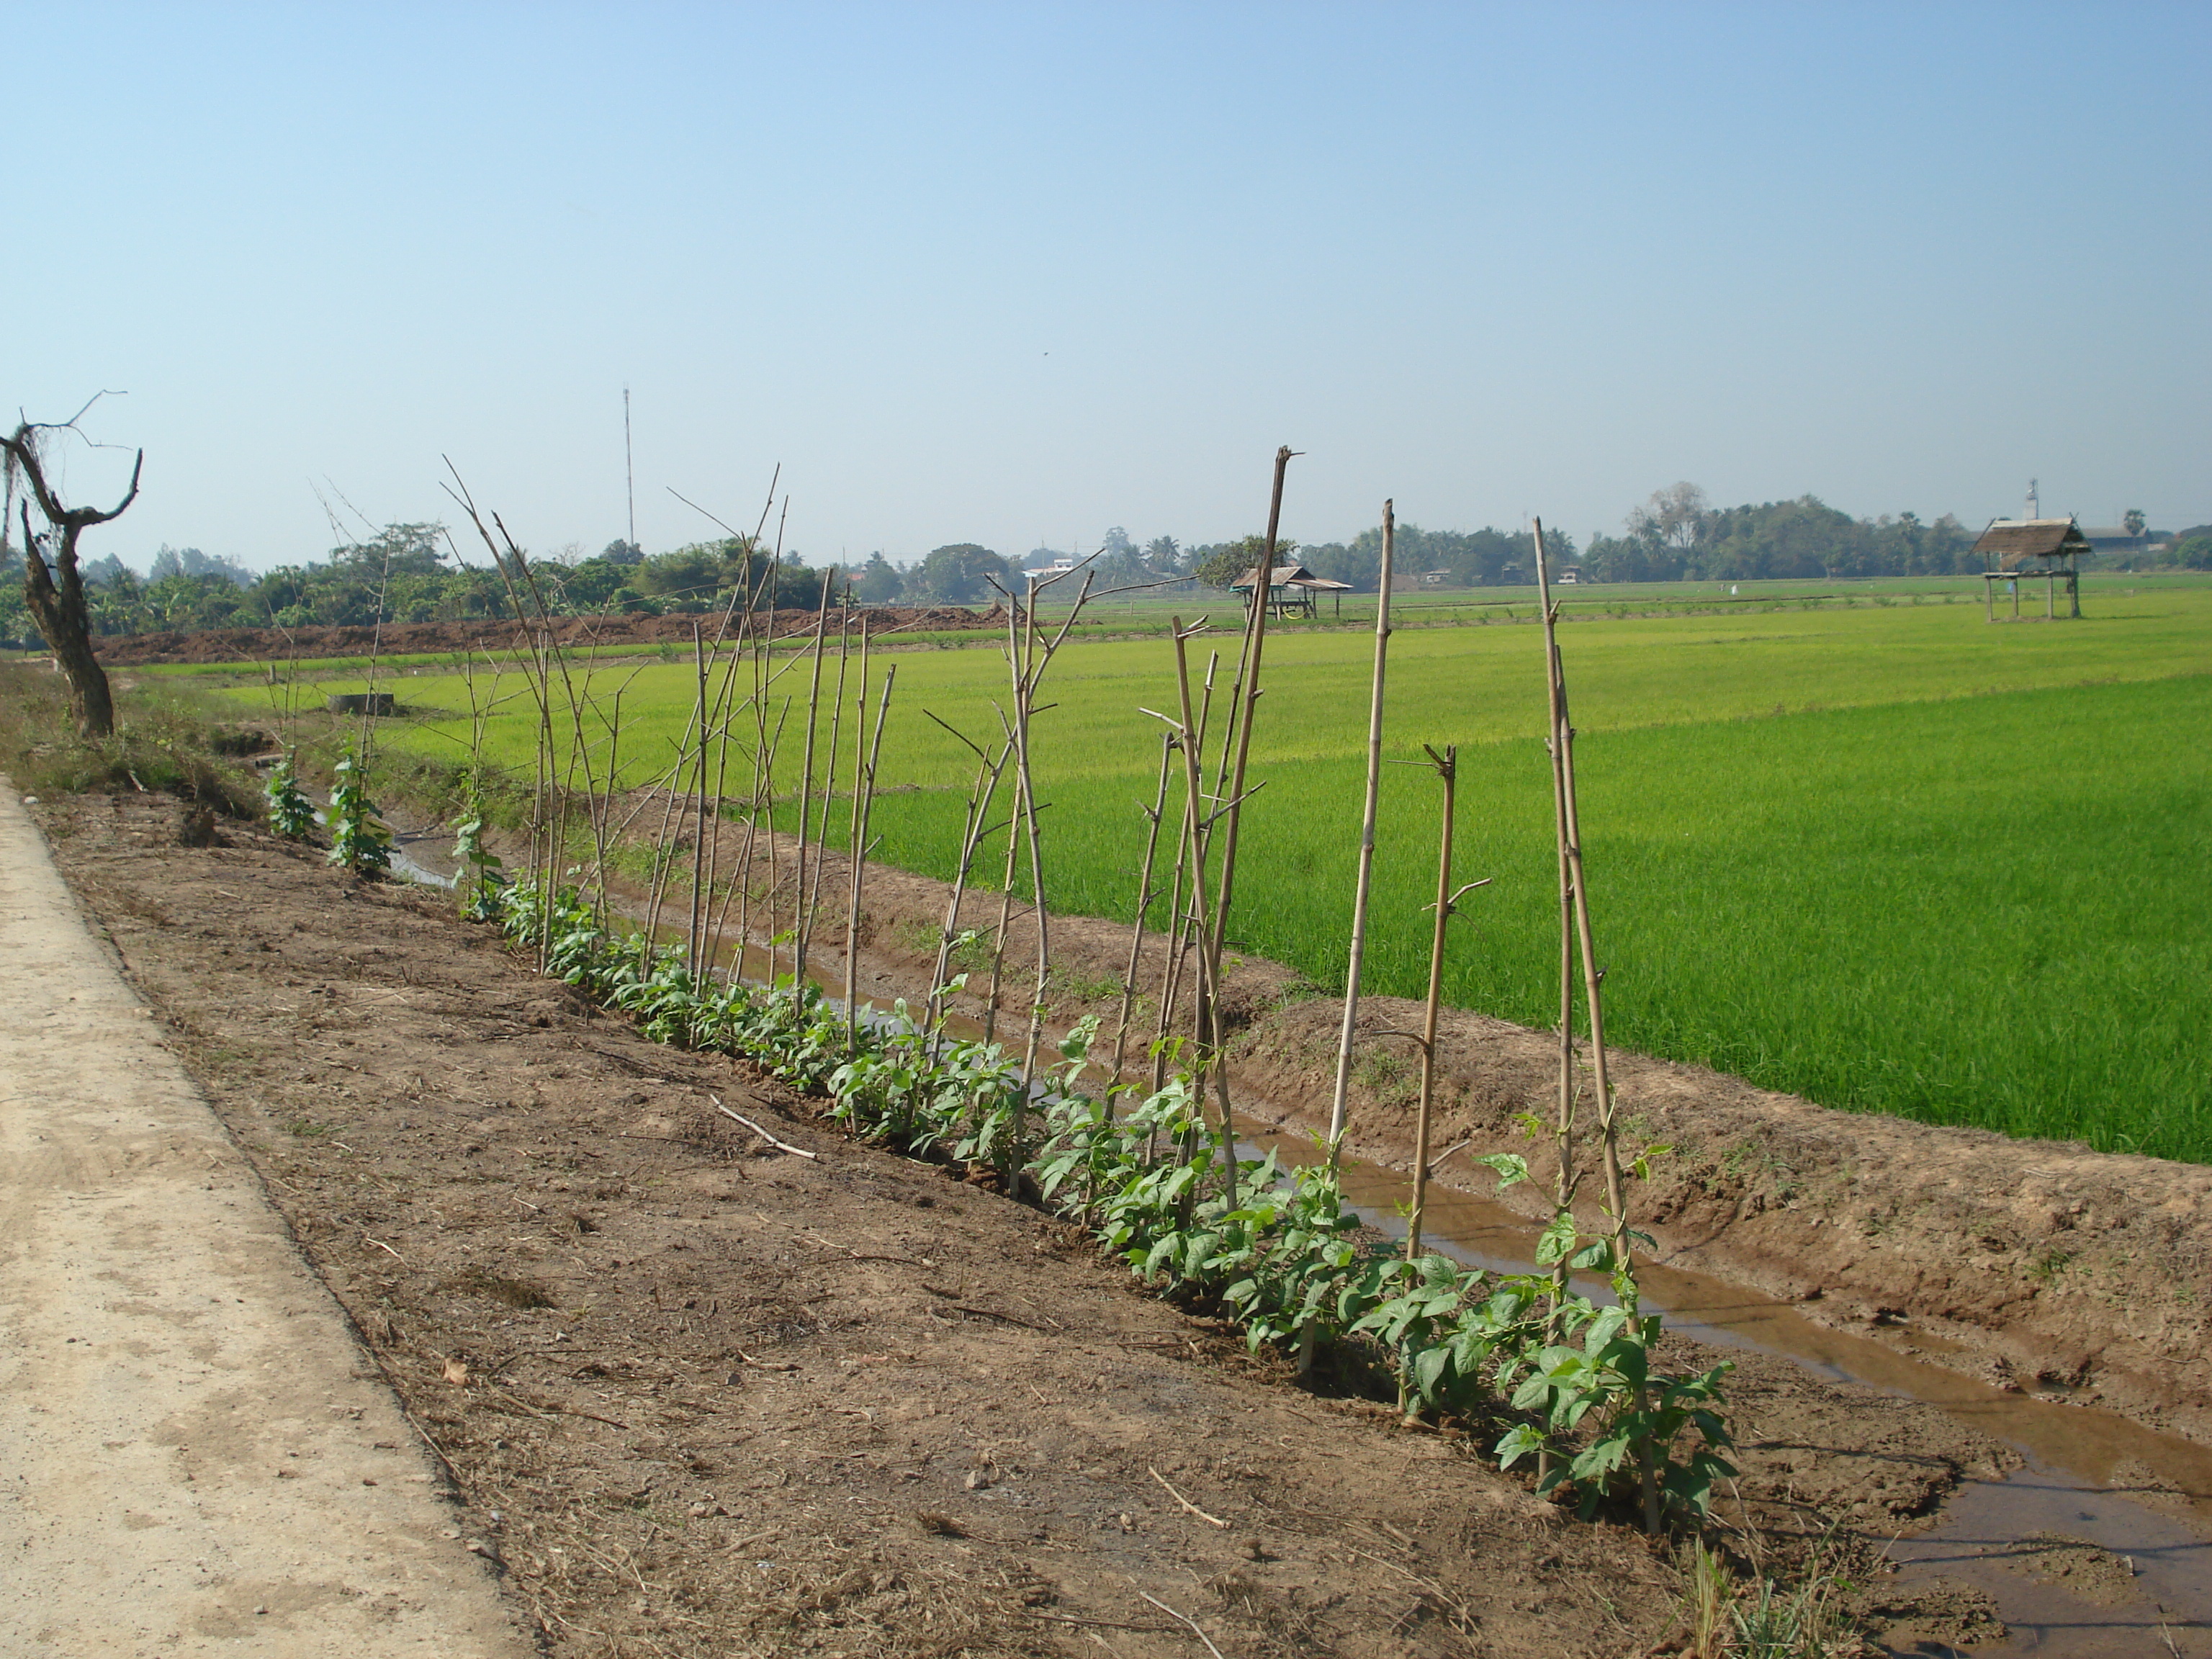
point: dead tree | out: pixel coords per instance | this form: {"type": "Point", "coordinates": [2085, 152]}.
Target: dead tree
{"type": "Point", "coordinates": [54, 592]}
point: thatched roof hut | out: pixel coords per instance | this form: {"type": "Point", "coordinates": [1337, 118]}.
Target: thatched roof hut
{"type": "Point", "coordinates": [2007, 544]}
{"type": "Point", "coordinates": [1290, 587]}
{"type": "Point", "coordinates": [2049, 548]}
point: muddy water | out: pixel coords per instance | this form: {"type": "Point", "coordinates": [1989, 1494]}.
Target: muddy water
{"type": "Point", "coordinates": [2082, 1461]}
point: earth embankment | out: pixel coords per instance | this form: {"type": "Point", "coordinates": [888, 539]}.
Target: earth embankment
{"type": "Point", "coordinates": [253, 645]}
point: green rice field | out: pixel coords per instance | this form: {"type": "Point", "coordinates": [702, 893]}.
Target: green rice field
{"type": "Point", "coordinates": [1887, 856]}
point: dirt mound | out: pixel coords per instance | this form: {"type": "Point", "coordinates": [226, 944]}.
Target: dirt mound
{"type": "Point", "coordinates": [429, 639]}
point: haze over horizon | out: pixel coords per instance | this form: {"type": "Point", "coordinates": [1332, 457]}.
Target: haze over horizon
{"type": "Point", "coordinates": [1015, 274]}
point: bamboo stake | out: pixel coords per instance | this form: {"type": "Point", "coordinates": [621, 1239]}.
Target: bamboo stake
{"type": "Point", "coordinates": [699, 813]}
{"type": "Point", "coordinates": [1179, 925]}
{"type": "Point", "coordinates": [1447, 907]}
{"type": "Point", "coordinates": [1205, 1029]}
{"type": "Point", "coordinates": [853, 829]}
{"type": "Point", "coordinates": [1153, 814]}
{"type": "Point", "coordinates": [864, 798]}
{"type": "Point", "coordinates": [1362, 887]}
{"type": "Point", "coordinates": [1024, 710]}
{"type": "Point", "coordinates": [1608, 1137]}
{"type": "Point", "coordinates": [1005, 909]}
{"type": "Point", "coordinates": [830, 771]}
{"type": "Point", "coordinates": [799, 917]}
{"type": "Point", "coordinates": [1250, 677]}
{"type": "Point", "coordinates": [980, 796]}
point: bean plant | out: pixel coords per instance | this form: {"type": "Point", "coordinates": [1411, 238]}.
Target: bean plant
{"type": "Point", "coordinates": [360, 840]}
{"type": "Point", "coordinates": [481, 878]}
{"type": "Point", "coordinates": [291, 814]}
{"type": "Point", "coordinates": [1152, 1180]}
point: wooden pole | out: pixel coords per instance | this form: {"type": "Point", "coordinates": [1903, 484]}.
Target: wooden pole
{"type": "Point", "coordinates": [1026, 802]}
{"type": "Point", "coordinates": [1566, 1181]}
{"type": "Point", "coordinates": [853, 851]}
{"type": "Point", "coordinates": [1153, 814]}
{"type": "Point", "coordinates": [801, 918]}
{"type": "Point", "coordinates": [1608, 1132]}
{"type": "Point", "coordinates": [699, 812]}
{"type": "Point", "coordinates": [1447, 765]}
{"type": "Point", "coordinates": [1179, 927]}
{"type": "Point", "coordinates": [864, 798]}
{"type": "Point", "coordinates": [836, 718]}
{"type": "Point", "coordinates": [1362, 885]}
{"type": "Point", "coordinates": [1205, 1027]}
{"type": "Point", "coordinates": [1233, 796]}
{"type": "Point", "coordinates": [971, 834]}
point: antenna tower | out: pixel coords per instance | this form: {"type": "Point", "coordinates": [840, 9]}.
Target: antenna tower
{"type": "Point", "coordinates": [2034, 502]}
{"type": "Point", "coordinates": [629, 471]}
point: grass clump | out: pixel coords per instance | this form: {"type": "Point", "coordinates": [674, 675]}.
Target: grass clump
{"type": "Point", "coordinates": [161, 744]}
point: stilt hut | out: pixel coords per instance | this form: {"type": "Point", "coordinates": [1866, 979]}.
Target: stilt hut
{"type": "Point", "coordinates": [2017, 548]}
{"type": "Point", "coordinates": [1293, 590]}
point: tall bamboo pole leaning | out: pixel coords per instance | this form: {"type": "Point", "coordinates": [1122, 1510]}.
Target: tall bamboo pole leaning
{"type": "Point", "coordinates": [837, 716]}
{"type": "Point", "coordinates": [1609, 1135]}
{"type": "Point", "coordinates": [1021, 643]}
{"type": "Point", "coordinates": [1337, 1112]}
{"type": "Point", "coordinates": [1179, 923]}
{"type": "Point", "coordinates": [699, 811]}
{"type": "Point", "coordinates": [852, 855]}
{"type": "Point", "coordinates": [1247, 702]}
{"type": "Point", "coordinates": [799, 917]}
{"type": "Point", "coordinates": [864, 798]}
{"type": "Point", "coordinates": [1205, 1027]}
{"type": "Point", "coordinates": [1153, 814]}
{"type": "Point", "coordinates": [975, 813]}
{"type": "Point", "coordinates": [1566, 1181]}
{"type": "Point", "coordinates": [1025, 711]}
{"type": "Point", "coordinates": [1447, 907]}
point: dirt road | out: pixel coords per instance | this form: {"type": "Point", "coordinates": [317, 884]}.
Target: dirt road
{"type": "Point", "coordinates": [198, 1457]}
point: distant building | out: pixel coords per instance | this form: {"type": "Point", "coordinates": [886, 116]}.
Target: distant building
{"type": "Point", "coordinates": [2116, 538]}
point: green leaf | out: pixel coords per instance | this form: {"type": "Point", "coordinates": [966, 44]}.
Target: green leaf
{"type": "Point", "coordinates": [1519, 1442]}
{"type": "Point", "coordinates": [1557, 1239]}
{"type": "Point", "coordinates": [1512, 1169]}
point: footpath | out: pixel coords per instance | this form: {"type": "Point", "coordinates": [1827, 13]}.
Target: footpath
{"type": "Point", "coordinates": [196, 1454]}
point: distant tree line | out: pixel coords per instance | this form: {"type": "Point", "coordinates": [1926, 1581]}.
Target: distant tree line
{"type": "Point", "coordinates": [410, 573]}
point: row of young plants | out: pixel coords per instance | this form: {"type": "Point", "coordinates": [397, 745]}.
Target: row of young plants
{"type": "Point", "coordinates": [1275, 1248]}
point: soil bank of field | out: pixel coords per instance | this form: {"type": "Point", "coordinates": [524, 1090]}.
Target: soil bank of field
{"type": "Point", "coordinates": [703, 1396]}
{"type": "Point", "coordinates": [256, 645]}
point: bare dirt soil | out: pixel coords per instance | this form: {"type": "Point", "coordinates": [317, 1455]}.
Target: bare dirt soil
{"type": "Point", "coordinates": [253, 645]}
{"type": "Point", "coordinates": [699, 1395]}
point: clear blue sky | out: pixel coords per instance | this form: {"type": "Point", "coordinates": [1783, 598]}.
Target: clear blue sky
{"type": "Point", "coordinates": [1014, 275]}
